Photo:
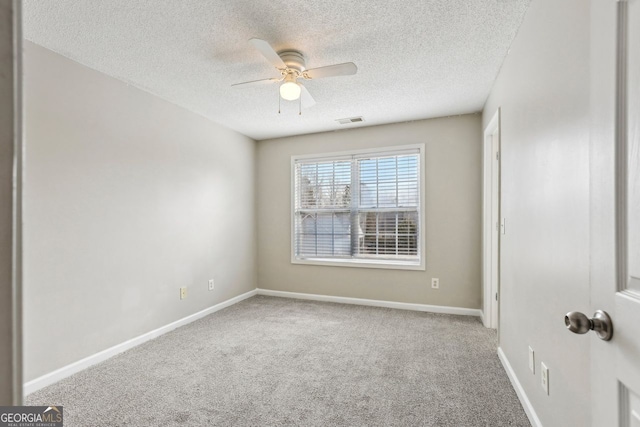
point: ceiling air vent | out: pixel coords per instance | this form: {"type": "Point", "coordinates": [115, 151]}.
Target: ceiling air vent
{"type": "Point", "coordinates": [350, 120]}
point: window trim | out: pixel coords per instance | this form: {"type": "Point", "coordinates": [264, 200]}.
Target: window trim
{"type": "Point", "coordinates": [363, 262]}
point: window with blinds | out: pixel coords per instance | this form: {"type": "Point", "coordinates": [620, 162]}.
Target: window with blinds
{"type": "Point", "coordinates": [362, 207]}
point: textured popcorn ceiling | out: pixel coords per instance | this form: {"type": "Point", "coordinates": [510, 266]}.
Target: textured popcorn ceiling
{"type": "Point", "coordinates": [416, 58]}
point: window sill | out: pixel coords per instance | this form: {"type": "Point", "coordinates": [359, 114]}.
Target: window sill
{"type": "Point", "coordinates": [360, 263]}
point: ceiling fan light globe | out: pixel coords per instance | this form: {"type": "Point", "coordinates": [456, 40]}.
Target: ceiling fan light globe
{"type": "Point", "coordinates": [290, 91]}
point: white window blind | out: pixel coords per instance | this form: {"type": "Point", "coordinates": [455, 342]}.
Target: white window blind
{"type": "Point", "coordinates": [360, 207]}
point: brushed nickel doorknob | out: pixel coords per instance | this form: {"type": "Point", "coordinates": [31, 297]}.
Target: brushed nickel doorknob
{"type": "Point", "coordinates": [600, 323]}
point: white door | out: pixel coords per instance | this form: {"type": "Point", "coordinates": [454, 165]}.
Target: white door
{"type": "Point", "coordinates": [615, 209]}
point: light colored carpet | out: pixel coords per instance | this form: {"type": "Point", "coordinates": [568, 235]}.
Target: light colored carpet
{"type": "Point", "coordinates": [278, 362]}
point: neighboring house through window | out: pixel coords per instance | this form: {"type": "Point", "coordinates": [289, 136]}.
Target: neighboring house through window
{"type": "Point", "coordinates": [360, 208]}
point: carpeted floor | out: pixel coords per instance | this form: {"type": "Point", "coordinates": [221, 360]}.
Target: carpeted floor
{"type": "Point", "coordinates": [278, 362]}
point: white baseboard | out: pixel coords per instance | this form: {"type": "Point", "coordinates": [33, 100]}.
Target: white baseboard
{"type": "Point", "coordinates": [374, 303]}
{"type": "Point", "coordinates": [82, 364]}
{"type": "Point", "coordinates": [482, 318]}
{"type": "Point", "coordinates": [524, 400]}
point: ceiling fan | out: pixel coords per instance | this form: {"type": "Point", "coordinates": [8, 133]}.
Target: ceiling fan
{"type": "Point", "coordinates": [291, 66]}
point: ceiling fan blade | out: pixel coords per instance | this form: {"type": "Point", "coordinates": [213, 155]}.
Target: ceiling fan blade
{"type": "Point", "coordinates": [345, 69]}
{"type": "Point", "coordinates": [256, 82]}
{"type": "Point", "coordinates": [305, 98]}
{"type": "Point", "coordinates": [267, 51]}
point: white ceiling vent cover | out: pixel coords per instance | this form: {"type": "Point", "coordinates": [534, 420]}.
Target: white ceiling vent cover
{"type": "Point", "coordinates": [350, 120]}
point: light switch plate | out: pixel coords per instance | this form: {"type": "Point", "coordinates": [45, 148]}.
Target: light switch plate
{"type": "Point", "coordinates": [532, 362]}
{"type": "Point", "coordinates": [183, 292]}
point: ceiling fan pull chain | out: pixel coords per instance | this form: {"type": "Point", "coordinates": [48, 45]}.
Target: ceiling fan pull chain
{"type": "Point", "coordinates": [300, 106]}
{"type": "Point", "coordinates": [279, 102]}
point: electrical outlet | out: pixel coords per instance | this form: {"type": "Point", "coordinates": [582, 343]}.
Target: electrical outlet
{"type": "Point", "coordinates": [210, 284]}
{"type": "Point", "coordinates": [435, 283]}
{"type": "Point", "coordinates": [544, 377]}
{"type": "Point", "coordinates": [532, 363]}
{"type": "Point", "coordinates": [183, 292]}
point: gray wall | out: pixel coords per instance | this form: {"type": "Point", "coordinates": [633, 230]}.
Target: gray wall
{"type": "Point", "coordinates": [453, 215]}
{"type": "Point", "coordinates": [10, 387]}
{"type": "Point", "coordinates": [127, 198]}
{"type": "Point", "coordinates": [543, 92]}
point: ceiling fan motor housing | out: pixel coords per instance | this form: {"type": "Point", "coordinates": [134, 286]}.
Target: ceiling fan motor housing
{"type": "Point", "coordinates": [293, 59]}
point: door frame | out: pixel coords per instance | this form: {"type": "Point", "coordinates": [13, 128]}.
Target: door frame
{"type": "Point", "coordinates": [490, 226]}
{"type": "Point", "coordinates": [11, 139]}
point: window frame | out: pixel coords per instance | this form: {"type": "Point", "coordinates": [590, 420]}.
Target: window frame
{"type": "Point", "coordinates": [364, 262]}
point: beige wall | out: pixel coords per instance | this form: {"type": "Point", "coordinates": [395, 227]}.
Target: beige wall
{"type": "Point", "coordinates": [453, 215]}
{"type": "Point", "coordinates": [127, 198]}
{"type": "Point", "coordinates": [543, 92]}
{"type": "Point", "coordinates": [10, 390]}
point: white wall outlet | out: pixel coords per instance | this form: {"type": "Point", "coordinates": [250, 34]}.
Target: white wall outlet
{"type": "Point", "coordinates": [544, 377]}
{"type": "Point", "coordinates": [532, 362]}
{"type": "Point", "coordinates": [183, 292]}
{"type": "Point", "coordinates": [435, 283]}
{"type": "Point", "coordinates": [210, 284]}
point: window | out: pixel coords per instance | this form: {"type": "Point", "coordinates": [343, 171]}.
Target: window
{"type": "Point", "coordinates": [359, 208]}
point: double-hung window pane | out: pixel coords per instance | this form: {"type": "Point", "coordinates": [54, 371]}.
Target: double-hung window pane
{"type": "Point", "coordinates": [362, 207]}
{"type": "Point", "coordinates": [388, 211]}
{"type": "Point", "coordinates": [322, 209]}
